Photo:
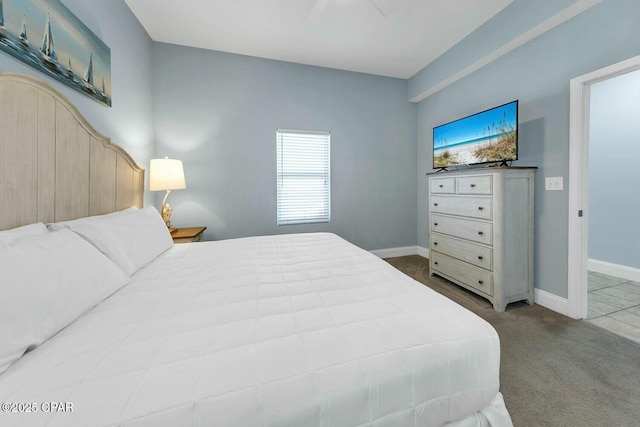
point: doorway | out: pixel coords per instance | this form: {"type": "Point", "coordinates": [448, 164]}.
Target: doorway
{"type": "Point", "coordinates": [578, 180]}
{"type": "Point", "coordinates": [613, 277]}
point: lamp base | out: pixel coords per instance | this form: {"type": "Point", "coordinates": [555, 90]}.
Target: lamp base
{"type": "Point", "coordinates": [166, 216]}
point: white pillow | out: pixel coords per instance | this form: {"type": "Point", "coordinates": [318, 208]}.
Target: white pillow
{"type": "Point", "coordinates": [55, 226]}
{"type": "Point", "coordinates": [9, 236]}
{"type": "Point", "coordinates": [48, 281]}
{"type": "Point", "coordinates": [131, 239]}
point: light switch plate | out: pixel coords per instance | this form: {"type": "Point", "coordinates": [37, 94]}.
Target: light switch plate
{"type": "Point", "coordinates": [553, 183]}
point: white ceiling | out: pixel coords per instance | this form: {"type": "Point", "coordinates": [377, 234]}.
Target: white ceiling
{"type": "Point", "coordinates": [395, 38]}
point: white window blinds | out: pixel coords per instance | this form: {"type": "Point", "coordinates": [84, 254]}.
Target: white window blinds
{"type": "Point", "coordinates": [304, 189]}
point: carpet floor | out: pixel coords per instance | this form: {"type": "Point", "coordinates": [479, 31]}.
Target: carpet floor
{"type": "Point", "coordinates": [555, 371]}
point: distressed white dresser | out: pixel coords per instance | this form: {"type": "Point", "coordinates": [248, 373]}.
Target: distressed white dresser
{"type": "Point", "coordinates": [481, 231]}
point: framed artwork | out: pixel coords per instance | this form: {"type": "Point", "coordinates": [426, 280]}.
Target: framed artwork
{"type": "Point", "coordinates": [47, 36]}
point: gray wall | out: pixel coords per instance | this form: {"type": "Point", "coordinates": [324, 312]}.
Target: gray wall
{"type": "Point", "coordinates": [614, 172]}
{"type": "Point", "coordinates": [517, 18]}
{"type": "Point", "coordinates": [538, 74]}
{"type": "Point", "coordinates": [129, 123]}
{"type": "Point", "coordinates": [219, 112]}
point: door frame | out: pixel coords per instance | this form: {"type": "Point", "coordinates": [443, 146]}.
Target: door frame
{"type": "Point", "coordinates": [580, 98]}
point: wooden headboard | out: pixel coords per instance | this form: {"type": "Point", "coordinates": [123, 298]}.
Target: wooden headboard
{"type": "Point", "coordinates": [54, 166]}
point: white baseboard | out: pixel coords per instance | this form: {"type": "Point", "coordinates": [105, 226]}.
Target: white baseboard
{"type": "Point", "coordinates": [551, 301]}
{"type": "Point", "coordinates": [394, 252]}
{"type": "Point", "coordinates": [423, 252]}
{"type": "Point", "coordinates": [617, 270]}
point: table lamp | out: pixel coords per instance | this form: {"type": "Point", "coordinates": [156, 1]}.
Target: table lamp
{"type": "Point", "coordinates": [166, 174]}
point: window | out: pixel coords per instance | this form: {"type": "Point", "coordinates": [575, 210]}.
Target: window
{"type": "Point", "coordinates": [304, 188]}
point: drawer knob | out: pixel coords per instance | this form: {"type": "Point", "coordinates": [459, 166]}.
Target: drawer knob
{"type": "Point", "coordinates": [435, 262]}
{"type": "Point", "coordinates": [480, 233]}
{"type": "Point", "coordinates": [435, 243]}
{"type": "Point", "coordinates": [435, 204]}
{"type": "Point", "coordinates": [435, 223]}
{"type": "Point", "coordinates": [472, 185]}
{"type": "Point", "coordinates": [440, 185]}
{"type": "Point", "coordinates": [480, 282]}
{"type": "Point", "coordinates": [480, 257]}
{"type": "Point", "coordinates": [480, 208]}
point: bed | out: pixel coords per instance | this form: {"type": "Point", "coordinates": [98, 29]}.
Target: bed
{"type": "Point", "coordinates": [288, 330]}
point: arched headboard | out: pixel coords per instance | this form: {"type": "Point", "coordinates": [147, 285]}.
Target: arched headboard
{"type": "Point", "coordinates": [54, 166]}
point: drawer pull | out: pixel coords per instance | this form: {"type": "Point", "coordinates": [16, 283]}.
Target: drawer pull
{"type": "Point", "coordinates": [480, 282]}
{"type": "Point", "coordinates": [480, 233]}
{"type": "Point", "coordinates": [440, 185]}
{"type": "Point", "coordinates": [480, 257]}
{"type": "Point", "coordinates": [472, 185]}
{"type": "Point", "coordinates": [435, 204]}
{"type": "Point", "coordinates": [480, 208]}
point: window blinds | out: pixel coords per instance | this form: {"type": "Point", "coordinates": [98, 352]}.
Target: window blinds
{"type": "Point", "coordinates": [304, 188]}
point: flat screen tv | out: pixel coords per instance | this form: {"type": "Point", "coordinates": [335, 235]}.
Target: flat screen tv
{"type": "Point", "coordinates": [490, 136]}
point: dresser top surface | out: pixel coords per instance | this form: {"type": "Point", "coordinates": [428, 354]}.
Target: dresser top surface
{"type": "Point", "coordinates": [482, 170]}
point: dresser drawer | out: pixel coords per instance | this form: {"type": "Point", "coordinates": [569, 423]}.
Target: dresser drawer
{"type": "Point", "coordinates": [443, 185]}
{"type": "Point", "coordinates": [480, 256]}
{"type": "Point", "coordinates": [468, 229]}
{"type": "Point", "coordinates": [475, 185]}
{"type": "Point", "coordinates": [475, 207]}
{"type": "Point", "coordinates": [461, 271]}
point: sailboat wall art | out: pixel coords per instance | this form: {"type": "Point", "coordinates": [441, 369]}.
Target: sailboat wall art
{"type": "Point", "coordinates": [47, 36]}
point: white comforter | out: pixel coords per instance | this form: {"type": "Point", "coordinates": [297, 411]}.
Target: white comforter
{"type": "Point", "coordinates": [296, 330]}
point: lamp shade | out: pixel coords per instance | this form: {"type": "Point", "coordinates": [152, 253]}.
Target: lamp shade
{"type": "Point", "coordinates": [166, 174]}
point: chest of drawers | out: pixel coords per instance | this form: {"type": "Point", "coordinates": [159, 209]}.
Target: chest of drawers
{"type": "Point", "coordinates": [481, 231]}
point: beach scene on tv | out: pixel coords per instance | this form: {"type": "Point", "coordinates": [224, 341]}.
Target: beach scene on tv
{"type": "Point", "coordinates": [485, 137]}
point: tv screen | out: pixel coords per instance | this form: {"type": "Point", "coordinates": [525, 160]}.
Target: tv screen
{"type": "Point", "coordinates": [485, 137]}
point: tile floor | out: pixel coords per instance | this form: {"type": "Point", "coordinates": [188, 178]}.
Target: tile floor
{"type": "Point", "coordinates": [614, 304]}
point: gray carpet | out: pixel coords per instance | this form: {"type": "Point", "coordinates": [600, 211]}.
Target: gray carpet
{"type": "Point", "coordinates": [555, 371]}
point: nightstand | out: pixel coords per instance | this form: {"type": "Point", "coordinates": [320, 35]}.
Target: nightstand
{"type": "Point", "coordinates": [186, 235]}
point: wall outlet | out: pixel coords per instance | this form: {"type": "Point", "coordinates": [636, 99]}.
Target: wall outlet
{"type": "Point", "coordinates": [553, 183]}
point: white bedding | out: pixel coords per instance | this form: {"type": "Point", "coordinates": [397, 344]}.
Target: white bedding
{"type": "Point", "coordinates": [295, 330]}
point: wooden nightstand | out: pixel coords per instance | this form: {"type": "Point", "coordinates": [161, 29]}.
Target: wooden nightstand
{"type": "Point", "coordinates": [186, 235]}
